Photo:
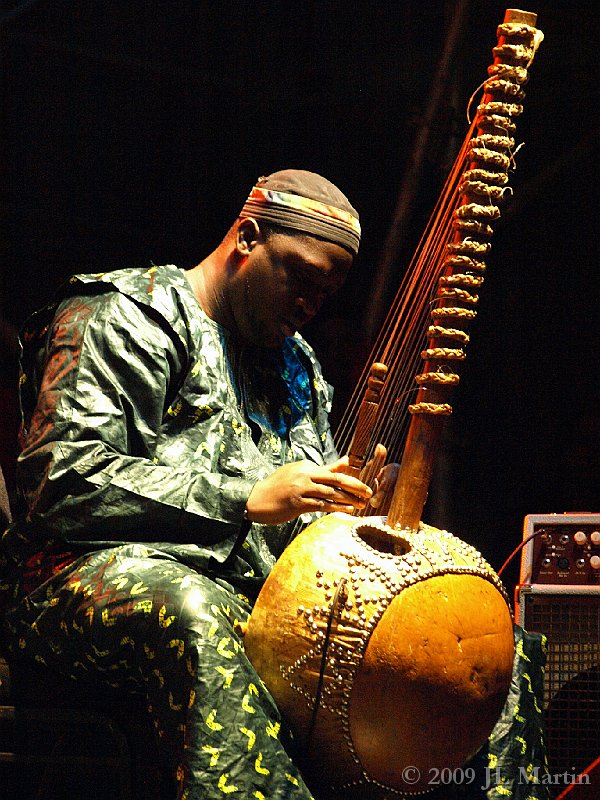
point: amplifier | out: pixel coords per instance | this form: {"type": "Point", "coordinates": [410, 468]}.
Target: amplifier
{"type": "Point", "coordinates": [561, 550]}
{"type": "Point", "coordinates": [559, 596]}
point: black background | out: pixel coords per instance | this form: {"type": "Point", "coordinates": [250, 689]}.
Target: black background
{"type": "Point", "coordinates": [132, 132]}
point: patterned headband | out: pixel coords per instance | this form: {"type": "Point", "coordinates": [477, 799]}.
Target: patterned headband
{"type": "Point", "coordinates": [303, 214]}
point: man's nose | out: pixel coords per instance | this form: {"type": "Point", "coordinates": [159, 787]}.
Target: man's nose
{"type": "Point", "coordinates": [311, 302]}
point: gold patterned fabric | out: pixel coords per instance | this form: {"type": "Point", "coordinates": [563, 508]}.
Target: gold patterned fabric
{"type": "Point", "coordinates": [135, 619]}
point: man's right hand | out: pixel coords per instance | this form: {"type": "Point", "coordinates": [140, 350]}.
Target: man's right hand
{"type": "Point", "coordinates": [303, 486]}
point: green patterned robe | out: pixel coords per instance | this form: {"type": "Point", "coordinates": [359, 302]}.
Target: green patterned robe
{"type": "Point", "coordinates": [145, 427]}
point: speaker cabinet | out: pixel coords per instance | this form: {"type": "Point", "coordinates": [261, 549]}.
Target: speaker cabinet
{"type": "Point", "coordinates": [569, 616]}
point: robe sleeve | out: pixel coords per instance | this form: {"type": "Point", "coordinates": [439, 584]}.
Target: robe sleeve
{"type": "Point", "coordinates": [87, 467]}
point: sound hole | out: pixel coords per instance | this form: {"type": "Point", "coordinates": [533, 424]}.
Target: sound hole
{"type": "Point", "coordinates": [383, 540]}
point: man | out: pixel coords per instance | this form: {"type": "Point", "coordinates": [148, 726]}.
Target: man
{"type": "Point", "coordinates": [174, 439]}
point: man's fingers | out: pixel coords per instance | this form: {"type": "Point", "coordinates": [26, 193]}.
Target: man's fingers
{"type": "Point", "coordinates": [380, 451]}
{"type": "Point", "coordinates": [340, 485]}
{"type": "Point", "coordinates": [338, 466]}
{"type": "Point", "coordinates": [373, 467]}
{"type": "Point", "coordinates": [330, 506]}
{"type": "Point", "coordinates": [337, 492]}
{"type": "Point", "coordinates": [377, 499]}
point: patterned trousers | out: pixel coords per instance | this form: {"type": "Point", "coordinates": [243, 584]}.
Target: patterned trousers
{"type": "Point", "coordinates": [138, 620]}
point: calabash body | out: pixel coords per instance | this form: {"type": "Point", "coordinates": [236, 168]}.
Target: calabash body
{"type": "Point", "coordinates": [384, 651]}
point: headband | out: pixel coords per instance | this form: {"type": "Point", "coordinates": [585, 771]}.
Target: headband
{"type": "Point", "coordinates": [304, 214]}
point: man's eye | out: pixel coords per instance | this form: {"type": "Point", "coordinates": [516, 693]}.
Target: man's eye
{"type": "Point", "coordinates": [300, 277]}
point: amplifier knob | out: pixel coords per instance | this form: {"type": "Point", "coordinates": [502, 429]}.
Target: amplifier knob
{"type": "Point", "coordinates": [595, 537]}
{"type": "Point", "coordinates": [595, 562]}
{"type": "Point", "coordinates": [580, 538]}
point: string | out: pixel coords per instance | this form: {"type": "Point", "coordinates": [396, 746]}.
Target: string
{"type": "Point", "coordinates": [452, 247]}
{"type": "Point", "coordinates": [404, 329]}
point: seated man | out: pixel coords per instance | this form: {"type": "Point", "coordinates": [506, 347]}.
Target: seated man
{"type": "Point", "coordinates": [175, 437]}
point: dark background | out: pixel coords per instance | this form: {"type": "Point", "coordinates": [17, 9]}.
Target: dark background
{"type": "Point", "coordinates": [132, 132]}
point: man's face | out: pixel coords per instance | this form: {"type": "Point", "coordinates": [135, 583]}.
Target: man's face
{"type": "Point", "coordinates": [282, 284]}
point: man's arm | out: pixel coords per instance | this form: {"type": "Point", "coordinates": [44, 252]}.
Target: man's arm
{"type": "Point", "coordinates": [87, 464]}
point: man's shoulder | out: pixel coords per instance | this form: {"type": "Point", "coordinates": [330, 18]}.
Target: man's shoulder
{"type": "Point", "coordinates": [149, 285]}
{"type": "Point", "coordinates": [161, 293]}
{"type": "Point", "coordinates": [159, 290]}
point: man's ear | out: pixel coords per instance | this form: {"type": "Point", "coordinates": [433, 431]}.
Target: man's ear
{"type": "Point", "coordinates": [247, 236]}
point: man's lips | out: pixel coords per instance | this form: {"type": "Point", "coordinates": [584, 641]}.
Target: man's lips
{"type": "Point", "coordinates": [294, 324]}
{"type": "Point", "coordinates": [288, 328]}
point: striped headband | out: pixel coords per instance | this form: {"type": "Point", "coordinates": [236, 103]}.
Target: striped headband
{"type": "Point", "coordinates": [304, 214]}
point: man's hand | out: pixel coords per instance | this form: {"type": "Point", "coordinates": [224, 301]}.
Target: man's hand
{"type": "Point", "coordinates": [382, 478]}
{"type": "Point", "coordinates": [302, 486]}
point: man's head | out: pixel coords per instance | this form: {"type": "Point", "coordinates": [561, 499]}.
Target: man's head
{"type": "Point", "coordinates": [295, 240]}
{"type": "Point", "coordinates": [298, 200]}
